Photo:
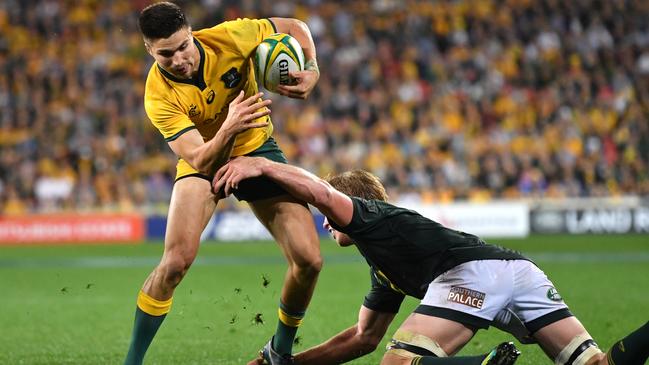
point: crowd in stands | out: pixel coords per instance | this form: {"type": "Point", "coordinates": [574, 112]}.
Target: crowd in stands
{"type": "Point", "coordinates": [448, 100]}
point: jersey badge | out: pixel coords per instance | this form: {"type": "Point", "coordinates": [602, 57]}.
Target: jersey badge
{"type": "Point", "coordinates": [383, 279]}
{"type": "Point", "coordinates": [231, 78]}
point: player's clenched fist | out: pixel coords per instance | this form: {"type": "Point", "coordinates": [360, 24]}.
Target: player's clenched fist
{"type": "Point", "coordinates": [305, 82]}
{"type": "Point", "coordinates": [242, 113]}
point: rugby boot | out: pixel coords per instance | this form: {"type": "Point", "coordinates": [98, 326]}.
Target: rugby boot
{"type": "Point", "coordinates": [273, 358]}
{"type": "Point", "coordinates": [504, 354]}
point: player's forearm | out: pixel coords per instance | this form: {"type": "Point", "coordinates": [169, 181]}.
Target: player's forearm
{"type": "Point", "coordinates": [303, 35]}
{"type": "Point", "coordinates": [300, 31]}
{"type": "Point", "coordinates": [345, 346]}
{"type": "Point", "coordinates": [214, 154]}
{"type": "Point", "coordinates": [299, 183]}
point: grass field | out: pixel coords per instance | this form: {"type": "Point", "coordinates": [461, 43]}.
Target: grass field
{"type": "Point", "coordinates": [75, 304]}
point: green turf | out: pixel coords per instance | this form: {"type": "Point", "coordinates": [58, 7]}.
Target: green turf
{"type": "Point", "coordinates": [75, 304]}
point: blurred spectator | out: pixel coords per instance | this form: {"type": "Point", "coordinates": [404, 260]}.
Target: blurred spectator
{"type": "Point", "coordinates": [444, 100]}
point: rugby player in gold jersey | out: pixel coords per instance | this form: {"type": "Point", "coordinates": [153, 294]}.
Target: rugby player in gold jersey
{"type": "Point", "coordinates": [202, 95]}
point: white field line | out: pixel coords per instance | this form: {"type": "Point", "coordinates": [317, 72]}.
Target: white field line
{"type": "Point", "coordinates": [149, 261]}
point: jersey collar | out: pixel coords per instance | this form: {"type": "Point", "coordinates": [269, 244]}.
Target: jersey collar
{"type": "Point", "coordinates": [199, 81]}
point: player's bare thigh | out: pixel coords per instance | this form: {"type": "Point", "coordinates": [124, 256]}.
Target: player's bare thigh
{"type": "Point", "coordinates": [291, 224]}
{"type": "Point", "coordinates": [554, 337]}
{"type": "Point", "coordinates": [449, 335]}
{"type": "Point", "coordinates": [191, 206]}
{"type": "Point", "coordinates": [190, 209]}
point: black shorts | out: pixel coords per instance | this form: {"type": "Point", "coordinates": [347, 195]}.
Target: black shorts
{"type": "Point", "coordinates": [256, 188]}
{"type": "Point", "coordinates": [259, 188]}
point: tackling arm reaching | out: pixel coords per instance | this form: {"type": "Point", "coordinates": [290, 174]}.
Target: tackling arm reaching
{"type": "Point", "coordinates": [352, 343]}
{"type": "Point", "coordinates": [298, 182]}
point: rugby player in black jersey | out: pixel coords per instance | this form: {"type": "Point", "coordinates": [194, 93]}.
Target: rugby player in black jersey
{"type": "Point", "coordinates": [463, 283]}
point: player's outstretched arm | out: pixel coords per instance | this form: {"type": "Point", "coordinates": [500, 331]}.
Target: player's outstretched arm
{"type": "Point", "coordinates": [352, 343]}
{"type": "Point", "coordinates": [207, 157]}
{"type": "Point", "coordinates": [336, 206]}
{"type": "Point", "coordinates": [307, 79]}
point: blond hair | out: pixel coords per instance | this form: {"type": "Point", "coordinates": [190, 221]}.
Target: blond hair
{"type": "Point", "coordinates": [359, 183]}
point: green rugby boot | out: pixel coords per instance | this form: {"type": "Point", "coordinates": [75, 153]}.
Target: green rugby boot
{"type": "Point", "coordinates": [504, 354]}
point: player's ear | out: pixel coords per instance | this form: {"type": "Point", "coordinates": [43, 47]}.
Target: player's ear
{"type": "Point", "coordinates": [147, 46]}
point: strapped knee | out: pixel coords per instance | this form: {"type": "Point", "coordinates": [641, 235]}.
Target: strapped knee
{"type": "Point", "coordinates": [581, 349]}
{"type": "Point", "coordinates": [408, 344]}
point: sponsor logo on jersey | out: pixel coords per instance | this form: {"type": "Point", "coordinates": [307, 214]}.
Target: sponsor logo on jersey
{"type": "Point", "coordinates": [231, 78]}
{"type": "Point", "coordinates": [468, 297]}
{"type": "Point", "coordinates": [193, 111]}
{"type": "Point", "coordinates": [210, 96]}
{"type": "Point", "coordinates": [554, 295]}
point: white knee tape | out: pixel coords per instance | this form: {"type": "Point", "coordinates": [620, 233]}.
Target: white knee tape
{"type": "Point", "coordinates": [586, 355]}
{"type": "Point", "coordinates": [416, 340]}
{"type": "Point", "coordinates": [566, 353]}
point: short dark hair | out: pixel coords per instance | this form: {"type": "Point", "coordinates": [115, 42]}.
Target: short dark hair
{"type": "Point", "coordinates": [359, 183]}
{"type": "Point", "coordinates": [161, 20]}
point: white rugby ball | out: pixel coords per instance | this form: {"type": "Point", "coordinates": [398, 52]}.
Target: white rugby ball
{"type": "Point", "coordinates": [275, 57]}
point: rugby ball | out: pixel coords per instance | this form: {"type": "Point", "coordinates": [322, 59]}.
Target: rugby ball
{"type": "Point", "coordinates": [275, 57]}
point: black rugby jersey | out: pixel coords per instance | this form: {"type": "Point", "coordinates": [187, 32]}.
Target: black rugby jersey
{"type": "Point", "coordinates": [407, 251]}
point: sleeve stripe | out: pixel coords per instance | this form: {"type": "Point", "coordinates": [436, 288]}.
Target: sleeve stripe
{"type": "Point", "coordinates": [273, 24]}
{"type": "Point", "coordinates": [180, 133]}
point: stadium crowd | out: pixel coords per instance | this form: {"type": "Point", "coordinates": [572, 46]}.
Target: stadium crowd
{"type": "Point", "coordinates": [448, 100]}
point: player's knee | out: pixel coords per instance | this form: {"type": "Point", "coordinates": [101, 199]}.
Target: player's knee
{"type": "Point", "coordinates": [174, 268]}
{"type": "Point", "coordinates": [307, 268]}
{"type": "Point", "coordinates": [582, 350]}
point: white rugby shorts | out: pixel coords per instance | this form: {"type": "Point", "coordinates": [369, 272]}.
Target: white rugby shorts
{"type": "Point", "coordinates": [475, 291]}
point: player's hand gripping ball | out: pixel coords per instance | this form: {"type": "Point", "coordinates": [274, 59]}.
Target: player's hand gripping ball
{"type": "Point", "coordinates": [276, 56]}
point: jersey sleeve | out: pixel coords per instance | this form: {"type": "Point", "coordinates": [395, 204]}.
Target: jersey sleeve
{"type": "Point", "coordinates": [246, 34]}
{"type": "Point", "coordinates": [168, 117]}
{"type": "Point", "coordinates": [366, 217]}
{"type": "Point", "coordinates": [381, 298]}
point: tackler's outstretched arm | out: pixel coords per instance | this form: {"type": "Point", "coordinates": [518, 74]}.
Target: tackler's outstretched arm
{"type": "Point", "coordinates": [336, 206]}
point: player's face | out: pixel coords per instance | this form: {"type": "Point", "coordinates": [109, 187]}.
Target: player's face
{"type": "Point", "coordinates": [177, 54]}
{"type": "Point", "coordinates": [342, 239]}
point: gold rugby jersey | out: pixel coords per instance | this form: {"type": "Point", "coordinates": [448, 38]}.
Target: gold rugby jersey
{"type": "Point", "coordinates": [176, 106]}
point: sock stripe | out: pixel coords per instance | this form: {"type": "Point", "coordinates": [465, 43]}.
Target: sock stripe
{"type": "Point", "coordinates": [290, 320]}
{"type": "Point", "coordinates": [153, 306]}
{"type": "Point", "coordinates": [290, 312]}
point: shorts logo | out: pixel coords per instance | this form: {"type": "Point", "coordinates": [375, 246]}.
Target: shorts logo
{"type": "Point", "coordinates": [554, 295]}
{"type": "Point", "coordinates": [468, 297]}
